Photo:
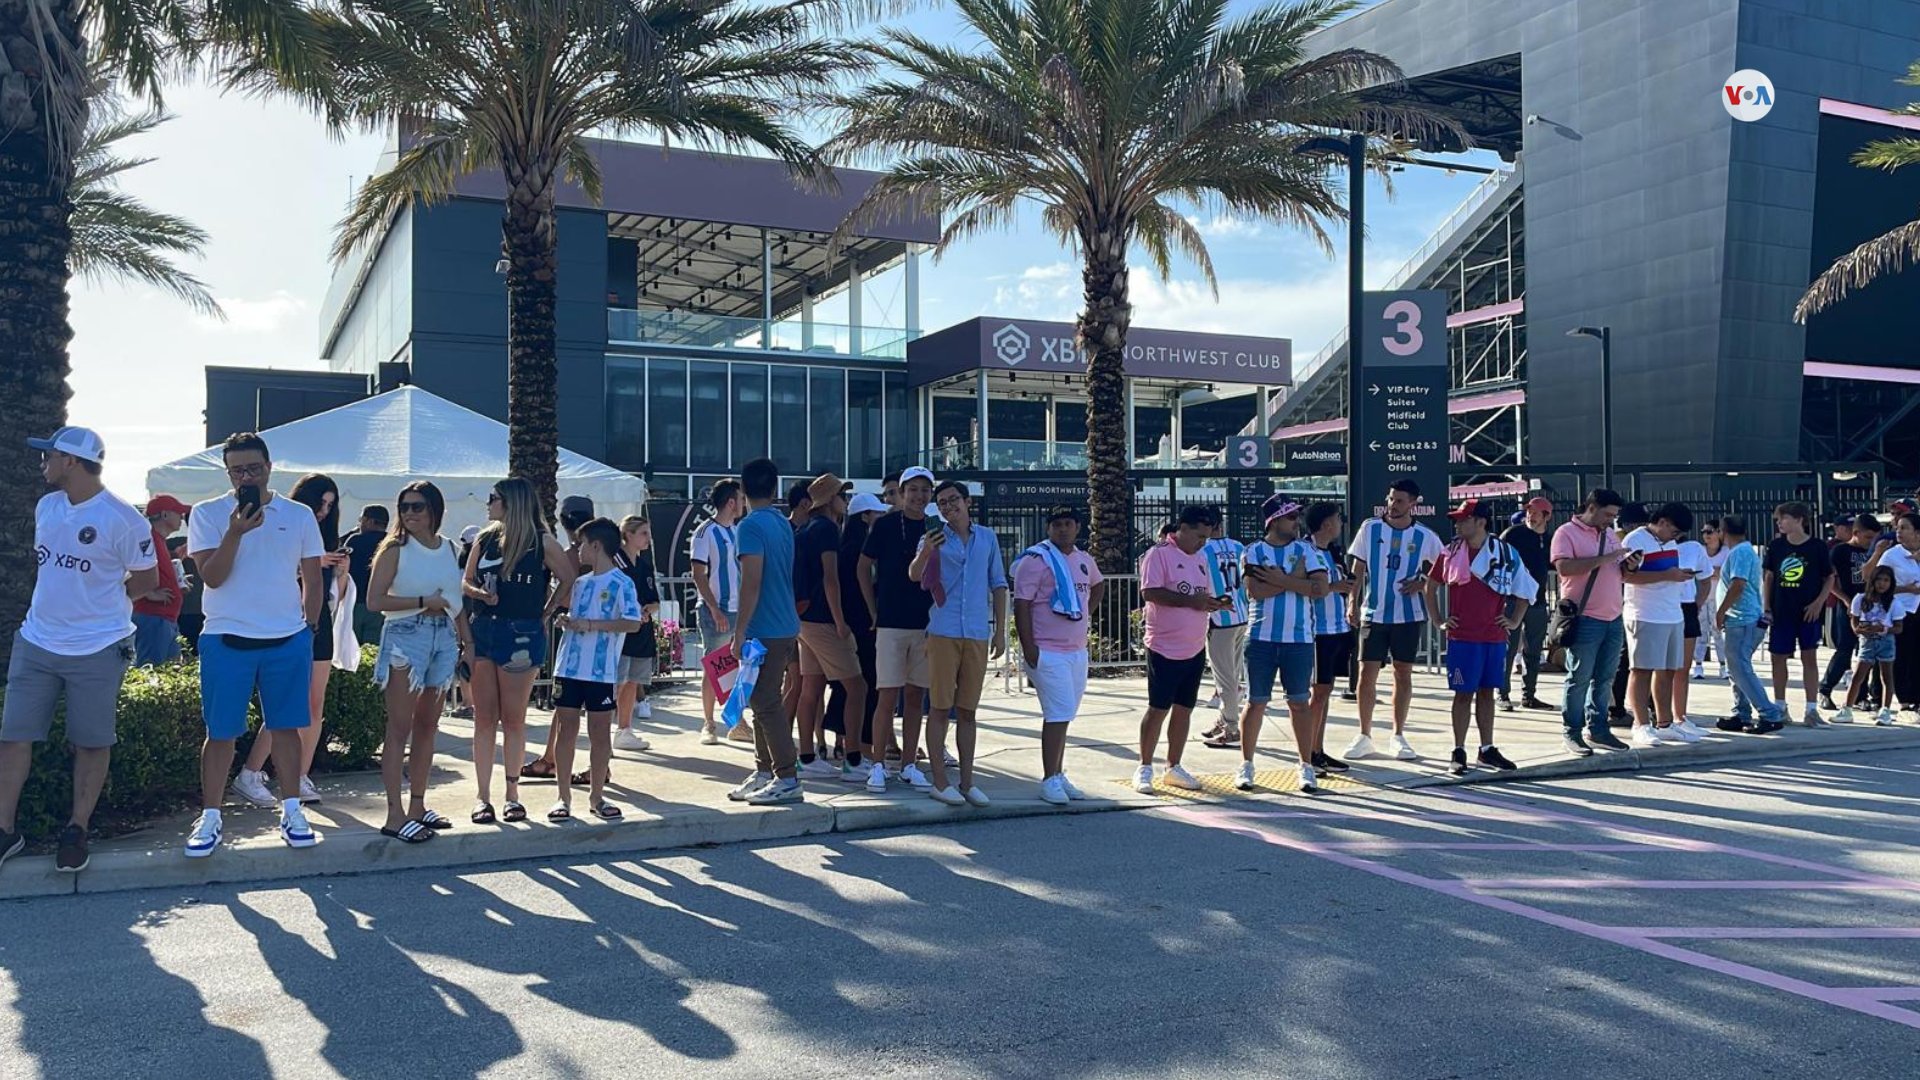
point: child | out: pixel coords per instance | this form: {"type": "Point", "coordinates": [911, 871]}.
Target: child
{"type": "Point", "coordinates": [1874, 624]}
{"type": "Point", "coordinates": [604, 609]}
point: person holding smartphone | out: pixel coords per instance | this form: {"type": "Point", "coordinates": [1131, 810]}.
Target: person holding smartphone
{"type": "Point", "coordinates": [1177, 589]}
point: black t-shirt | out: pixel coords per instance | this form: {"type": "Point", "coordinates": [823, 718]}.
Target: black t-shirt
{"type": "Point", "coordinates": [1849, 566]}
{"type": "Point", "coordinates": [644, 641]}
{"type": "Point", "coordinates": [891, 545]}
{"type": "Point", "coordinates": [815, 539]}
{"type": "Point", "coordinates": [1799, 574]}
{"type": "Point", "coordinates": [852, 602]}
{"type": "Point", "coordinates": [1533, 555]}
{"type": "Point", "coordinates": [523, 589]}
{"type": "Point", "coordinates": [360, 547]}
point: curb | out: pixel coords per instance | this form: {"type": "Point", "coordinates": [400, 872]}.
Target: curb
{"type": "Point", "coordinates": [1738, 749]}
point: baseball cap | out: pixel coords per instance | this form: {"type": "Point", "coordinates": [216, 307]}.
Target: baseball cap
{"type": "Point", "coordinates": [917, 473]}
{"type": "Point", "coordinates": [1479, 508]}
{"type": "Point", "coordinates": [1903, 506]}
{"type": "Point", "coordinates": [166, 504]}
{"type": "Point", "coordinates": [863, 502]}
{"type": "Point", "coordinates": [1518, 517]}
{"type": "Point", "coordinates": [1844, 521]}
{"type": "Point", "coordinates": [469, 534]}
{"type": "Point", "coordinates": [1540, 502]}
{"type": "Point", "coordinates": [78, 442]}
{"type": "Point", "coordinates": [576, 508]}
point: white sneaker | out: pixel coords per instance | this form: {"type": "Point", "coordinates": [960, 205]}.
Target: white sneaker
{"type": "Point", "coordinates": [1244, 778]}
{"type": "Point", "coordinates": [977, 797]}
{"type": "Point", "coordinates": [308, 793]}
{"type": "Point", "coordinates": [1073, 793]}
{"type": "Point", "coordinates": [819, 769]}
{"type": "Point", "coordinates": [1214, 701]}
{"type": "Point", "coordinates": [1643, 738]}
{"type": "Point", "coordinates": [294, 828]}
{"type": "Point", "coordinates": [1810, 716]}
{"type": "Point", "coordinates": [251, 787]}
{"type": "Point", "coordinates": [643, 710]}
{"type": "Point", "coordinates": [205, 836]}
{"type": "Point", "coordinates": [710, 734]}
{"type": "Point", "coordinates": [1178, 776]}
{"type": "Point", "coordinates": [1844, 716]}
{"type": "Point", "coordinates": [949, 795]}
{"type": "Point", "coordinates": [1307, 779]}
{"type": "Point", "coordinates": [1360, 747]}
{"type": "Point", "coordinates": [1143, 780]}
{"type": "Point", "coordinates": [1719, 671]}
{"type": "Point", "coordinates": [752, 784]}
{"type": "Point", "coordinates": [628, 739]}
{"type": "Point", "coordinates": [1401, 750]}
{"type": "Point", "coordinates": [776, 793]}
{"type": "Point", "coordinates": [854, 774]}
{"type": "Point", "coordinates": [914, 777]}
{"type": "Point", "coordinates": [1053, 790]}
{"type": "Point", "coordinates": [1677, 733]}
{"type": "Point", "coordinates": [1885, 719]}
{"type": "Point", "coordinates": [1688, 727]}
{"type": "Point", "coordinates": [877, 779]}
{"type": "Point", "coordinates": [1699, 671]}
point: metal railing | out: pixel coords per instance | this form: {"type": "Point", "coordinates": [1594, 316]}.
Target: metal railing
{"type": "Point", "coordinates": [657, 327]}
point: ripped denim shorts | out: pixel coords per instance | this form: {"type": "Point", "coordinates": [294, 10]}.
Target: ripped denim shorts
{"type": "Point", "coordinates": [512, 645]}
{"type": "Point", "coordinates": [422, 648]}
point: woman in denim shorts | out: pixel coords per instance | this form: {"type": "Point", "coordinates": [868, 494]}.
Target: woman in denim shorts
{"type": "Point", "coordinates": [509, 584]}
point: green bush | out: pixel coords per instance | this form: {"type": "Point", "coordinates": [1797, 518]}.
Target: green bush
{"type": "Point", "coordinates": [156, 761]}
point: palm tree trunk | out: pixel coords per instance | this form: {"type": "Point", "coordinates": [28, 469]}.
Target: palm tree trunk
{"type": "Point", "coordinates": [531, 238]}
{"type": "Point", "coordinates": [34, 240]}
{"type": "Point", "coordinates": [1103, 334]}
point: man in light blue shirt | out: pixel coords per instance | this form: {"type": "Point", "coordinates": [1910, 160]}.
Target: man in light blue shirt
{"type": "Point", "coordinates": [959, 563]}
{"type": "Point", "coordinates": [767, 615]}
{"type": "Point", "coordinates": [1741, 618]}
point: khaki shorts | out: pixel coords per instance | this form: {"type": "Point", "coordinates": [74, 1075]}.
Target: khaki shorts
{"type": "Point", "coordinates": [824, 652]}
{"type": "Point", "coordinates": [959, 669]}
{"type": "Point", "coordinates": [899, 658]}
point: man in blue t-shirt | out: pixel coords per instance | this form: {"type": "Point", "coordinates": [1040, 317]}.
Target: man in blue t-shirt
{"type": "Point", "coordinates": [767, 615]}
{"type": "Point", "coordinates": [1741, 616]}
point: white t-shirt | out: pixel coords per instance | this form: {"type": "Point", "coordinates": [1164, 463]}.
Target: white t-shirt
{"type": "Point", "coordinates": [1906, 571]}
{"type": "Point", "coordinates": [261, 596]}
{"type": "Point", "coordinates": [594, 655]}
{"type": "Point", "coordinates": [1694, 560]}
{"type": "Point", "coordinates": [1882, 617]}
{"type": "Point", "coordinates": [80, 602]}
{"type": "Point", "coordinates": [1654, 603]}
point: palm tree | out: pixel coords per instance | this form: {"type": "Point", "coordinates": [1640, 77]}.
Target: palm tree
{"type": "Point", "coordinates": [1887, 253]}
{"type": "Point", "coordinates": [1106, 114]}
{"type": "Point", "coordinates": [519, 85]}
{"type": "Point", "coordinates": [44, 93]}
{"type": "Point", "coordinates": [116, 236]}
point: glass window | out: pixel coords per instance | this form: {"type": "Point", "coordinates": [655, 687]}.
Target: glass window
{"type": "Point", "coordinates": [1209, 426]}
{"type": "Point", "coordinates": [1069, 421]}
{"type": "Point", "coordinates": [1016, 418]}
{"type": "Point", "coordinates": [667, 414]}
{"type": "Point", "coordinates": [828, 410]}
{"type": "Point", "coordinates": [626, 415]}
{"type": "Point", "coordinates": [954, 418]}
{"type": "Point", "coordinates": [707, 414]}
{"type": "Point", "coordinates": [865, 452]}
{"type": "Point", "coordinates": [788, 404]}
{"type": "Point", "coordinates": [900, 427]}
{"type": "Point", "coordinates": [1150, 422]}
{"type": "Point", "coordinates": [749, 413]}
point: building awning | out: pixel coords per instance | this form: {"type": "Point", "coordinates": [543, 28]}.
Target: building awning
{"type": "Point", "coordinates": [1048, 348]}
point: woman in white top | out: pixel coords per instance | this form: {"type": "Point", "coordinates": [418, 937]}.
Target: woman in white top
{"type": "Point", "coordinates": [1712, 638]}
{"type": "Point", "coordinates": [416, 584]}
{"type": "Point", "coordinates": [1902, 554]}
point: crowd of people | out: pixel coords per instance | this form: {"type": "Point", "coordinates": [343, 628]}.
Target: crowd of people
{"type": "Point", "coordinates": [877, 617]}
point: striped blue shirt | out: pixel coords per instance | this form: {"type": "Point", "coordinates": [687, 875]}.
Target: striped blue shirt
{"type": "Point", "coordinates": [1393, 556]}
{"type": "Point", "coordinates": [1224, 557]}
{"type": "Point", "coordinates": [716, 546]}
{"type": "Point", "coordinates": [594, 655]}
{"type": "Point", "coordinates": [1284, 618]}
{"type": "Point", "coordinates": [1330, 611]}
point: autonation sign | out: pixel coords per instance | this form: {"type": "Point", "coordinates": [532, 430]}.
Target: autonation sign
{"type": "Point", "coordinates": [1050, 348]}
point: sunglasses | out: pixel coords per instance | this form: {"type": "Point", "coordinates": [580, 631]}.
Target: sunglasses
{"type": "Point", "coordinates": [413, 508]}
{"type": "Point", "coordinates": [493, 497]}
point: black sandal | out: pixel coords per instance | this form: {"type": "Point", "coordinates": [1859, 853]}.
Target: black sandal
{"type": "Point", "coordinates": [483, 814]}
{"type": "Point", "coordinates": [434, 821]}
{"type": "Point", "coordinates": [412, 832]}
{"type": "Point", "coordinates": [537, 769]}
{"type": "Point", "coordinates": [513, 811]}
{"type": "Point", "coordinates": [606, 811]}
{"type": "Point", "coordinates": [583, 778]}
{"type": "Point", "coordinates": [559, 813]}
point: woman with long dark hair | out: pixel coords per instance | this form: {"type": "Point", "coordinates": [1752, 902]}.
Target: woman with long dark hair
{"type": "Point", "coordinates": [318, 493]}
{"type": "Point", "coordinates": [416, 584]}
{"type": "Point", "coordinates": [1900, 551]}
{"type": "Point", "coordinates": [509, 583]}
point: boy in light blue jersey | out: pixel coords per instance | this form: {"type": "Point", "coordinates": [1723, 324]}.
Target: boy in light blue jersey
{"type": "Point", "coordinates": [1392, 589]}
{"type": "Point", "coordinates": [1227, 630]}
{"type": "Point", "coordinates": [1283, 577]}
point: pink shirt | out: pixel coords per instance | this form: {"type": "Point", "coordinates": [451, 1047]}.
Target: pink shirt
{"type": "Point", "coordinates": [1033, 581]}
{"type": "Point", "coordinates": [1577, 540]}
{"type": "Point", "coordinates": [1176, 633]}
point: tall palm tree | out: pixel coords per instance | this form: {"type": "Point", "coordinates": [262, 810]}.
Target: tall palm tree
{"type": "Point", "coordinates": [518, 85]}
{"type": "Point", "coordinates": [1109, 114]}
{"type": "Point", "coordinates": [44, 94]}
{"type": "Point", "coordinates": [1888, 253]}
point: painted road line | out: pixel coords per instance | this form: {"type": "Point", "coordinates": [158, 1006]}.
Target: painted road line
{"type": "Point", "coordinates": [1521, 845]}
{"type": "Point", "coordinates": [1767, 933]}
{"type": "Point", "coordinates": [1707, 884]}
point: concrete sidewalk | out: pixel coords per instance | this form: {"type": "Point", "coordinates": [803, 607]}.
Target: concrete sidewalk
{"type": "Point", "coordinates": [674, 794]}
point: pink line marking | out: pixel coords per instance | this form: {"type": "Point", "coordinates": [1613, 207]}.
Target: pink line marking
{"type": "Point", "coordinates": [1886, 993]}
{"type": "Point", "coordinates": [1643, 883]}
{"type": "Point", "coordinates": [1409, 845]}
{"type": "Point", "coordinates": [1771, 933]}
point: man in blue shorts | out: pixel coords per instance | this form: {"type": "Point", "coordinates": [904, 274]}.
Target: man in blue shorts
{"type": "Point", "coordinates": [1283, 576]}
{"type": "Point", "coordinates": [1488, 589]}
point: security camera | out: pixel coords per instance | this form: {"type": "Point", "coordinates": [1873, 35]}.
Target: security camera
{"type": "Point", "coordinates": [500, 267]}
{"type": "Point", "coordinates": [1532, 118]}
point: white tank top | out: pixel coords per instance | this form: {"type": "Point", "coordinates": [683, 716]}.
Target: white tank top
{"type": "Point", "coordinates": [423, 571]}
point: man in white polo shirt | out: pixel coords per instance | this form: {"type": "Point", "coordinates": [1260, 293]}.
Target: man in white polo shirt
{"type": "Point", "coordinates": [96, 554]}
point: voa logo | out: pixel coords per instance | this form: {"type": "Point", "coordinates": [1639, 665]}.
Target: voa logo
{"type": "Point", "coordinates": [1011, 345]}
{"type": "Point", "coordinates": [1748, 95]}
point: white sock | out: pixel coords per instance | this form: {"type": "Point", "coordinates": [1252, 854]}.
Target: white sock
{"type": "Point", "coordinates": [288, 806]}
{"type": "Point", "coordinates": [212, 812]}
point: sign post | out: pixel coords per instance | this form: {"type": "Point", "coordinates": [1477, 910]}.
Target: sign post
{"type": "Point", "coordinates": [1403, 400]}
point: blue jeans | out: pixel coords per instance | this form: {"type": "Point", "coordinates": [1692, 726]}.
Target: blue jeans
{"type": "Point", "coordinates": [1593, 654]}
{"type": "Point", "coordinates": [1748, 691]}
{"type": "Point", "coordinates": [156, 640]}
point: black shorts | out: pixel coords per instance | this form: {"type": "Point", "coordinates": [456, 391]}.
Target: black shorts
{"type": "Point", "coordinates": [323, 637]}
{"type": "Point", "coordinates": [1332, 657]}
{"type": "Point", "coordinates": [592, 697]}
{"type": "Point", "coordinates": [1174, 684]}
{"type": "Point", "coordinates": [1690, 615]}
{"type": "Point", "coordinates": [1399, 642]}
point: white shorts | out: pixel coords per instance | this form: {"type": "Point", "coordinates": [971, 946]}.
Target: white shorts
{"type": "Point", "coordinates": [900, 658]}
{"type": "Point", "coordinates": [1059, 682]}
{"type": "Point", "coordinates": [1656, 646]}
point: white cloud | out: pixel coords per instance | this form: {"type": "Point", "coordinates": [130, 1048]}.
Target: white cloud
{"type": "Point", "coordinates": [1227, 227]}
{"type": "Point", "coordinates": [270, 314]}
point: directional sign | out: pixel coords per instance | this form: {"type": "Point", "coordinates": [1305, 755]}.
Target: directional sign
{"type": "Point", "coordinates": [1403, 410]}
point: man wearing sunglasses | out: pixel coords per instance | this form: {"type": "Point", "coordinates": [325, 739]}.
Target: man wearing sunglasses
{"type": "Point", "coordinates": [259, 558]}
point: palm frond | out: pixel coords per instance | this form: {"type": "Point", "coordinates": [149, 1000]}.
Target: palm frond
{"type": "Point", "coordinates": [1888, 253]}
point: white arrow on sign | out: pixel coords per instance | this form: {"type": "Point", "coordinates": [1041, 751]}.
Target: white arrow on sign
{"type": "Point", "coordinates": [1374, 389]}
{"type": "Point", "coordinates": [1374, 446]}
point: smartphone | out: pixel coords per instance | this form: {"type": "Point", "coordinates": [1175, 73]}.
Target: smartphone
{"type": "Point", "coordinates": [249, 496]}
{"type": "Point", "coordinates": [934, 524]}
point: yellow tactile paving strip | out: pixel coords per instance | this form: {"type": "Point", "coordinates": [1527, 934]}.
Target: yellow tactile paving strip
{"type": "Point", "coordinates": [1265, 782]}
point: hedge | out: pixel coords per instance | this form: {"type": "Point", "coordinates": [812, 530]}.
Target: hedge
{"type": "Point", "coordinates": [156, 760]}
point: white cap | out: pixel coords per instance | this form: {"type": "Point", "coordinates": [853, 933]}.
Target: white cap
{"type": "Point", "coordinates": [469, 534]}
{"type": "Point", "coordinates": [918, 472]}
{"type": "Point", "coordinates": [863, 502]}
{"type": "Point", "coordinates": [78, 441]}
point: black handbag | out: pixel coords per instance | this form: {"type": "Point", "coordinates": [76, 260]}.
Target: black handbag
{"type": "Point", "coordinates": [1566, 613]}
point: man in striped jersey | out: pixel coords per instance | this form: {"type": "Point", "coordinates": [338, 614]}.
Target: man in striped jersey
{"type": "Point", "coordinates": [1227, 634]}
{"type": "Point", "coordinates": [1488, 590]}
{"type": "Point", "coordinates": [1332, 633]}
{"type": "Point", "coordinates": [1284, 577]}
{"type": "Point", "coordinates": [716, 577]}
{"type": "Point", "coordinates": [1392, 554]}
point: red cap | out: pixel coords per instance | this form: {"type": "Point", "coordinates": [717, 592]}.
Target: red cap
{"type": "Point", "coordinates": [1471, 508]}
{"type": "Point", "coordinates": [163, 504]}
{"type": "Point", "coordinates": [1540, 502]}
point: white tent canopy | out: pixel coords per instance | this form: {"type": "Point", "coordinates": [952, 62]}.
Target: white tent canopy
{"type": "Point", "coordinates": [372, 447]}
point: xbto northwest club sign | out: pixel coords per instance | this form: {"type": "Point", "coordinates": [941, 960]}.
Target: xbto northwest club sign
{"type": "Point", "coordinates": [1050, 347]}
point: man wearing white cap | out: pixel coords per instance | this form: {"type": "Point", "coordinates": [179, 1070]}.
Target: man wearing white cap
{"type": "Point", "coordinates": [96, 553]}
{"type": "Point", "coordinates": [901, 609]}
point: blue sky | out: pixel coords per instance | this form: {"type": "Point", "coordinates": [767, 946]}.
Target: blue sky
{"type": "Point", "coordinates": [269, 184]}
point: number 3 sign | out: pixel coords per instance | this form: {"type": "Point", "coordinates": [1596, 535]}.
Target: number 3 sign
{"type": "Point", "coordinates": [1249, 452]}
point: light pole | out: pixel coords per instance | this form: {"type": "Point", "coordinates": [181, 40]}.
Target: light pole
{"type": "Point", "coordinates": [1354, 149]}
{"type": "Point", "coordinates": [1604, 335]}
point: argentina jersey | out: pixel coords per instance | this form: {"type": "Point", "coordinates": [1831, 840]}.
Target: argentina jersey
{"type": "Point", "coordinates": [1285, 618]}
{"type": "Point", "coordinates": [1224, 557]}
{"type": "Point", "coordinates": [1394, 556]}
{"type": "Point", "coordinates": [718, 547]}
{"type": "Point", "coordinates": [1330, 611]}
